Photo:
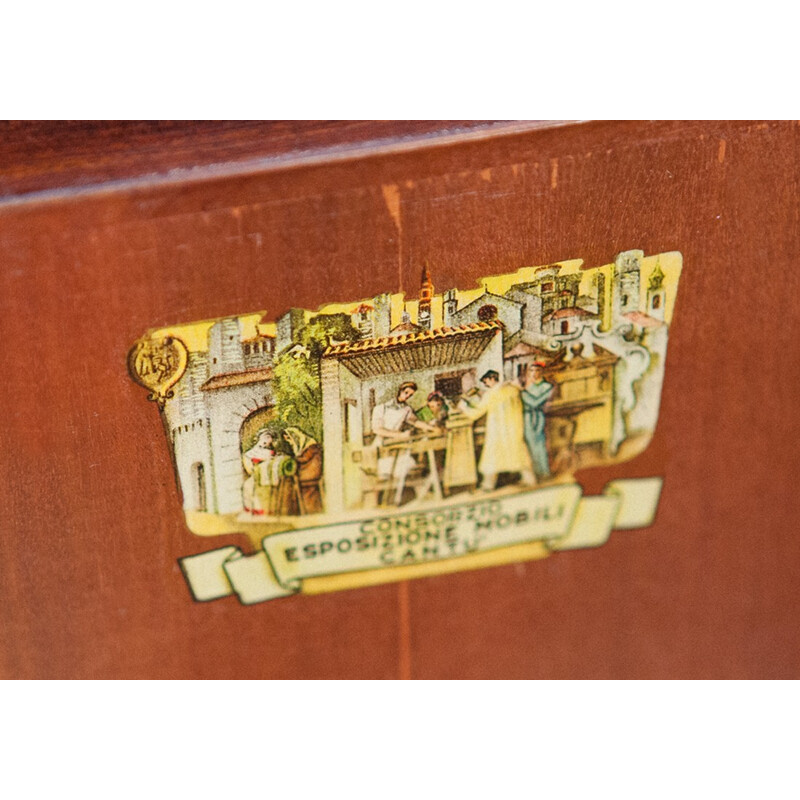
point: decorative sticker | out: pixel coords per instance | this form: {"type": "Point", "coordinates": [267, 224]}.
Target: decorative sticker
{"type": "Point", "coordinates": [389, 438]}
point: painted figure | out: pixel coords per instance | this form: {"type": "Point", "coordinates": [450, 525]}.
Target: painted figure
{"type": "Point", "coordinates": [504, 447]}
{"type": "Point", "coordinates": [284, 500]}
{"type": "Point", "coordinates": [270, 485]}
{"type": "Point", "coordinates": [536, 393]}
{"type": "Point", "coordinates": [256, 489]}
{"type": "Point", "coordinates": [308, 455]}
{"type": "Point", "coordinates": [391, 423]}
{"type": "Point", "coordinates": [435, 411]}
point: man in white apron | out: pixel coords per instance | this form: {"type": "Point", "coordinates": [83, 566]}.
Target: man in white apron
{"type": "Point", "coordinates": [391, 422]}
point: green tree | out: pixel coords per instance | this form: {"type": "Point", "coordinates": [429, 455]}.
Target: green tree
{"type": "Point", "coordinates": [298, 391]}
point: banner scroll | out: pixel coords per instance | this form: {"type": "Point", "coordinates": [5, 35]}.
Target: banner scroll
{"type": "Point", "coordinates": [556, 518]}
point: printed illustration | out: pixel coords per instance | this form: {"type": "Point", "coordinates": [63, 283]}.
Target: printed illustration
{"type": "Point", "coordinates": [428, 418]}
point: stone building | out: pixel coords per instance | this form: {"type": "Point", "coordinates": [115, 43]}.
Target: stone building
{"type": "Point", "coordinates": [287, 326]}
{"type": "Point", "coordinates": [555, 290]}
{"type": "Point", "coordinates": [363, 319]}
{"type": "Point", "coordinates": [487, 307]}
{"type": "Point", "coordinates": [531, 303]}
{"type": "Point", "coordinates": [564, 321]}
{"type": "Point", "coordinates": [221, 390]}
{"type": "Point", "coordinates": [626, 280]}
{"type": "Point", "coordinates": [405, 327]}
{"type": "Point", "coordinates": [187, 421]}
{"type": "Point", "coordinates": [258, 351]}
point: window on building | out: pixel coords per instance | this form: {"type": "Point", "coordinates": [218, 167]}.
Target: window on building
{"type": "Point", "coordinates": [564, 326]}
{"type": "Point", "coordinates": [453, 384]}
{"type": "Point", "coordinates": [487, 313]}
{"type": "Point", "coordinates": [547, 287]}
{"type": "Point", "coordinates": [247, 349]}
{"type": "Point", "coordinates": [449, 387]}
{"type": "Point", "coordinates": [656, 301]}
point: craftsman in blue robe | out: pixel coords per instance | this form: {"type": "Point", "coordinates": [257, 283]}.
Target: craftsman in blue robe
{"type": "Point", "coordinates": [536, 393]}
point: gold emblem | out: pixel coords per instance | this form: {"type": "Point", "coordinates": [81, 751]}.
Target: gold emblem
{"type": "Point", "coordinates": [158, 364]}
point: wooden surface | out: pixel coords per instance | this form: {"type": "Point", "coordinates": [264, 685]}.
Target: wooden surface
{"type": "Point", "coordinates": [41, 158]}
{"type": "Point", "coordinates": [92, 525]}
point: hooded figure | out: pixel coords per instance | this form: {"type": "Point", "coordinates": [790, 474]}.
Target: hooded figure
{"type": "Point", "coordinates": [308, 455]}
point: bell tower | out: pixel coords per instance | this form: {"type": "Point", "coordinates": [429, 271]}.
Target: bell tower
{"type": "Point", "coordinates": [656, 293]}
{"type": "Point", "coordinates": [424, 317]}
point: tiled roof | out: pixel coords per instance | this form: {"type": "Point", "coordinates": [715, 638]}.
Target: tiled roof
{"type": "Point", "coordinates": [569, 312]}
{"type": "Point", "coordinates": [419, 337]}
{"type": "Point", "coordinates": [525, 349]}
{"type": "Point", "coordinates": [404, 327]}
{"type": "Point", "coordinates": [238, 378]}
{"type": "Point", "coordinates": [642, 320]}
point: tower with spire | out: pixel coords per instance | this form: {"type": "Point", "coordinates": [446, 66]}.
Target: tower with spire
{"type": "Point", "coordinates": [656, 293]}
{"type": "Point", "coordinates": [424, 317]}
